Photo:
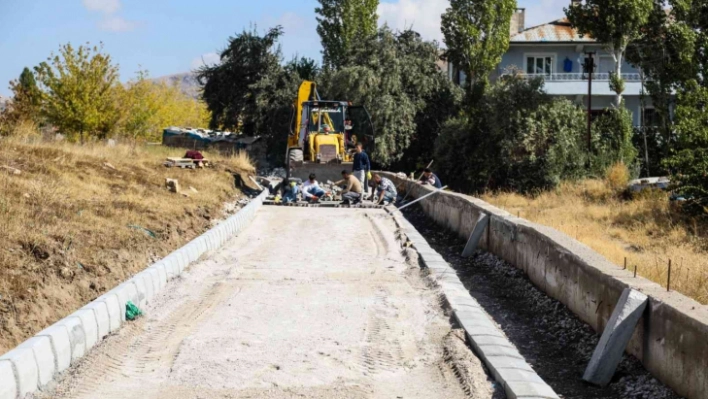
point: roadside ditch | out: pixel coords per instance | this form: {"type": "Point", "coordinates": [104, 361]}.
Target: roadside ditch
{"type": "Point", "coordinates": [555, 342]}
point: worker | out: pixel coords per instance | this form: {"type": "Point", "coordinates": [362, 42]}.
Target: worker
{"type": "Point", "coordinates": [362, 165]}
{"type": "Point", "coordinates": [291, 192]}
{"type": "Point", "coordinates": [311, 190]}
{"type": "Point", "coordinates": [430, 178]}
{"type": "Point", "coordinates": [352, 188]}
{"type": "Point", "coordinates": [385, 190]}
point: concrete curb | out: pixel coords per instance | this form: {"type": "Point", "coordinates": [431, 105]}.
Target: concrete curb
{"type": "Point", "coordinates": [39, 360]}
{"type": "Point", "coordinates": [505, 363]}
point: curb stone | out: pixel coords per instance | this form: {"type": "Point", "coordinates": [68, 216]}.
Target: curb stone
{"type": "Point", "coordinates": [37, 361]}
{"type": "Point", "coordinates": [505, 363]}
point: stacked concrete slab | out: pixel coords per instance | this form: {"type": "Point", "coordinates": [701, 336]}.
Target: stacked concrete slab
{"type": "Point", "coordinates": [671, 339]}
{"type": "Point", "coordinates": [36, 362]}
{"type": "Point", "coordinates": [507, 365]}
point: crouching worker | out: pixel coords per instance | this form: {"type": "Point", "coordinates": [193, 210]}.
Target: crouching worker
{"type": "Point", "coordinates": [385, 190]}
{"type": "Point", "coordinates": [352, 188]}
{"type": "Point", "coordinates": [291, 192]}
{"type": "Point", "coordinates": [311, 190]}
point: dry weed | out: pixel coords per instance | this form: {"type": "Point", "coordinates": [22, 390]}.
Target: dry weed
{"type": "Point", "coordinates": [72, 222]}
{"type": "Point", "coordinates": [647, 230]}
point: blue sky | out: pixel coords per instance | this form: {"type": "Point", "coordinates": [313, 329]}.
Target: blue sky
{"type": "Point", "coordinates": [173, 36]}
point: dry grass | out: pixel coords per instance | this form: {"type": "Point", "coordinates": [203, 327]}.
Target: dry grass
{"type": "Point", "coordinates": [646, 230]}
{"type": "Point", "coordinates": [71, 222]}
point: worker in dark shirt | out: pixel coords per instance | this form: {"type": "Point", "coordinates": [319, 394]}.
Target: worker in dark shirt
{"type": "Point", "coordinates": [362, 165]}
{"type": "Point", "coordinates": [430, 178]}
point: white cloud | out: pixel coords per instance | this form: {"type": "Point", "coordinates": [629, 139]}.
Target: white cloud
{"type": "Point", "coordinates": [104, 6]}
{"type": "Point", "coordinates": [292, 23]}
{"type": "Point", "coordinates": [205, 59]}
{"type": "Point", "coordinates": [544, 11]}
{"type": "Point", "coordinates": [423, 16]}
{"type": "Point", "coordinates": [116, 24]}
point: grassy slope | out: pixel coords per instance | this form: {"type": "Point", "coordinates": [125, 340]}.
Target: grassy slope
{"type": "Point", "coordinates": [646, 230]}
{"type": "Point", "coordinates": [64, 223]}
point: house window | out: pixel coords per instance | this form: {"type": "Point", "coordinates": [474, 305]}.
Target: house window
{"type": "Point", "coordinates": [539, 64]}
{"type": "Point", "coordinates": [651, 117]}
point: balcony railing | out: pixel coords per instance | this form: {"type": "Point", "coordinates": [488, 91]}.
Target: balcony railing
{"type": "Point", "coordinates": [575, 77]}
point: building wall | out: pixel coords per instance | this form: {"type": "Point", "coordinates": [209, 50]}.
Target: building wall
{"type": "Point", "coordinates": [516, 56]}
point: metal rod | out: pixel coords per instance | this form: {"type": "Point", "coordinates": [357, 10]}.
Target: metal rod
{"type": "Point", "coordinates": [422, 198]}
{"type": "Point", "coordinates": [635, 271]}
{"type": "Point", "coordinates": [668, 281]}
{"type": "Point", "coordinates": [421, 176]}
{"type": "Point", "coordinates": [625, 263]}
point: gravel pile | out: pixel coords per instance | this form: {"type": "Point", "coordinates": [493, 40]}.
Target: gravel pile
{"type": "Point", "coordinates": [555, 342]}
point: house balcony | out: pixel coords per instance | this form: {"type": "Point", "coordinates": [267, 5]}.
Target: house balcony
{"type": "Point", "coordinates": [575, 84]}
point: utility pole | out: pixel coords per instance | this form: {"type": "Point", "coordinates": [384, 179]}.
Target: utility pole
{"type": "Point", "coordinates": [590, 69]}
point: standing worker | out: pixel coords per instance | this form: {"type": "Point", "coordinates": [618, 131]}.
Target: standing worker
{"type": "Point", "coordinates": [385, 190]}
{"type": "Point", "coordinates": [362, 165]}
{"type": "Point", "coordinates": [352, 188]}
{"type": "Point", "coordinates": [430, 178]}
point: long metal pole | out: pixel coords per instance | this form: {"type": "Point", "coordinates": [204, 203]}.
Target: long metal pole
{"type": "Point", "coordinates": [408, 191]}
{"type": "Point", "coordinates": [591, 70]}
{"type": "Point", "coordinates": [422, 198]}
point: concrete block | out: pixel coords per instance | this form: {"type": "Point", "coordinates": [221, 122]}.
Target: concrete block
{"type": "Point", "coordinates": [523, 389]}
{"type": "Point", "coordinates": [61, 345]}
{"type": "Point", "coordinates": [149, 286]}
{"type": "Point", "coordinates": [77, 337]}
{"type": "Point", "coordinates": [476, 236]}
{"type": "Point", "coordinates": [498, 363]}
{"type": "Point", "coordinates": [487, 340]}
{"type": "Point", "coordinates": [25, 367]}
{"type": "Point", "coordinates": [618, 332]}
{"type": "Point", "coordinates": [89, 325]}
{"type": "Point", "coordinates": [509, 375]}
{"type": "Point", "coordinates": [490, 351]}
{"type": "Point", "coordinates": [142, 290]}
{"type": "Point", "coordinates": [161, 274]}
{"type": "Point", "coordinates": [41, 347]}
{"type": "Point", "coordinates": [114, 310]}
{"type": "Point", "coordinates": [103, 321]}
{"type": "Point", "coordinates": [8, 384]}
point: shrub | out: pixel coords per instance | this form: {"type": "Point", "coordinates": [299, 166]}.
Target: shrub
{"type": "Point", "coordinates": [617, 177]}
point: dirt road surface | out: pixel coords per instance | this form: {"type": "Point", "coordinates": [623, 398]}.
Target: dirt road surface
{"type": "Point", "coordinates": [305, 303]}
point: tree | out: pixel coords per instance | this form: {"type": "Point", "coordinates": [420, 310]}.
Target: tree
{"type": "Point", "coordinates": [396, 77]}
{"type": "Point", "coordinates": [343, 23]}
{"type": "Point", "coordinates": [27, 99]}
{"type": "Point", "coordinates": [306, 68]}
{"type": "Point", "coordinates": [229, 87]}
{"type": "Point", "coordinates": [79, 96]}
{"type": "Point", "coordinates": [476, 33]}
{"type": "Point", "coordinates": [615, 23]}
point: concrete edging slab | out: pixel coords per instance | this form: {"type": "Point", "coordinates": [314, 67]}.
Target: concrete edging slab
{"type": "Point", "coordinates": [37, 361]}
{"type": "Point", "coordinates": [507, 365]}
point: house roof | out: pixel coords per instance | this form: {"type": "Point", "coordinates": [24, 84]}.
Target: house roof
{"type": "Point", "coordinates": [559, 31]}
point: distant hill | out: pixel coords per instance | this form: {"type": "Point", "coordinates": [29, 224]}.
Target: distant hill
{"type": "Point", "coordinates": [187, 83]}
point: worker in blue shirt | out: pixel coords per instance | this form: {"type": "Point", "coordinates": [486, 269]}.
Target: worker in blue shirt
{"type": "Point", "coordinates": [430, 178]}
{"type": "Point", "coordinates": [362, 165]}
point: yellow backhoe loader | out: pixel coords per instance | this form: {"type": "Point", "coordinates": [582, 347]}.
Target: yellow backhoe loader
{"type": "Point", "coordinates": [323, 135]}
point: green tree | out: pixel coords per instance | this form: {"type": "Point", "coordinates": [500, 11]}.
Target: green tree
{"type": "Point", "coordinates": [79, 96]}
{"type": "Point", "coordinates": [615, 23]}
{"type": "Point", "coordinates": [26, 101]}
{"type": "Point", "coordinates": [476, 33]}
{"type": "Point", "coordinates": [343, 24]}
{"type": "Point", "coordinates": [396, 77]}
{"type": "Point", "coordinates": [690, 162]}
{"type": "Point", "coordinates": [306, 68]}
{"type": "Point", "coordinates": [229, 87]}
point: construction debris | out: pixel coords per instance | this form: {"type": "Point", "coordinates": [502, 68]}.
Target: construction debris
{"type": "Point", "coordinates": [11, 170]}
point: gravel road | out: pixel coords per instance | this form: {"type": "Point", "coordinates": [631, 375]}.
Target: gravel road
{"type": "Point", "coordinates": [305, 303]}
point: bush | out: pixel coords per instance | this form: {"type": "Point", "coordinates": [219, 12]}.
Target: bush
{"type": "Point", "coordinates": [617, 177]}
{"type": "Point", "coordinates": [612, 140]}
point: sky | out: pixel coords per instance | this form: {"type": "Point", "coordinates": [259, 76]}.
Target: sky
{"type": "Point", "coordinates": [166, 37]}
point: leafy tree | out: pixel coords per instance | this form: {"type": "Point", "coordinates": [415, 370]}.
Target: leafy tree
{"type": "Point", "coordinates": [229, 87]}
{"type": "Point", "coordinates": [27, 100]}
{"type": "Point", "coordinates": [396, 77]}
{"type": "Point", "coordinates": [148, 107]}
{"type": "Point", "coordinates": [612, 139]}
{"type": "Point", "coordinates": [615, 23]}
{"type": "Point", "coordinates": [343, 24]}
{"type": "Point", "coordinates": [306, 68]}
{"type": "Point", "coordinates": [476, 33]}
{"type": "Point", "coordinates": [79, 96]}
{"type": "Point", "coordinates": [690, 161]}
